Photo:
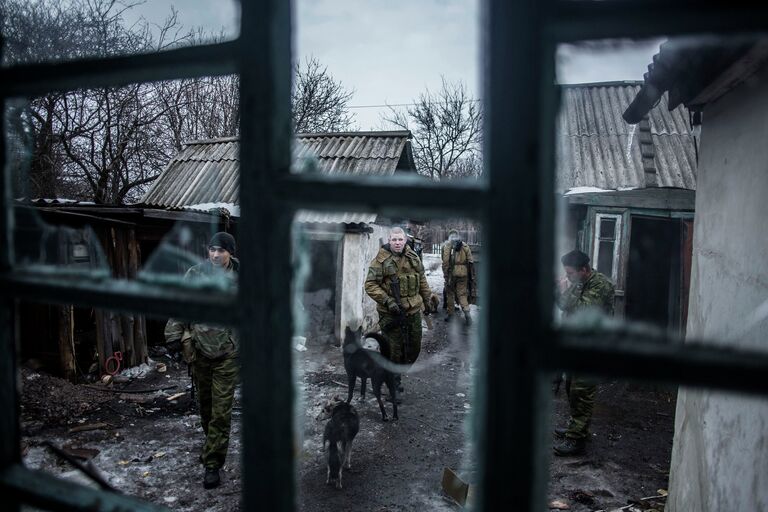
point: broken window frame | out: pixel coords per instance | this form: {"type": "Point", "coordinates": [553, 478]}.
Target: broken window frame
{"type": "Point", "coordinates": [513, 378]}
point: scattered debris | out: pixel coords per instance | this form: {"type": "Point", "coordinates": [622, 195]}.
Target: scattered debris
{"type": "Point", "coordinates": [137, 372]}
{"type": "Point", "coordinates": [106, 380]}
{"type": "Point", "coordinates": [90, 426]}
{"type": "Point", "coordinates": [455, 487]}
{"type": "Point", "coordinates": [175, 396]}
{"type": "Point", "coordinates": [87, 470]}
{"type": "Point", "coordinates": [583, 497]}
{"type": "Point", "coordinates": [81, 453]}
{"type": "Point", "coordinates": [559, 505]}
{"type": "Point", "coordinates": [300, 343]}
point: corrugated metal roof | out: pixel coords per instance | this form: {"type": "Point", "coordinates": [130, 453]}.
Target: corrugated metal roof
{"type": "Point", "coordinates": [597, 148]}
{"type": "Point", "coordinates": [208, 171]}
{"type": "Point", "coordinates": [361, 153]}
{"type": "Point", "coordinates": [313, 217]}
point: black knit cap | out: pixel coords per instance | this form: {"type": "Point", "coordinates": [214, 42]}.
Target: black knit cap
{"type": "Point", "coordinates": [223, 240]}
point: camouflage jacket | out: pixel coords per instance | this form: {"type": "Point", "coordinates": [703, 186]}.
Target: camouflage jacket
{"type": "Point", "coordinates": [597, 291]}
{"type": "Point", "coordinates": [414, 290]}
{"type": "Point", "coordinates": [461, 258]}
{"type": "Point", "coordinates": [210, 341]}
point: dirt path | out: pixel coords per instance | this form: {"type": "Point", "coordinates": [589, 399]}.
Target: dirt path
{"type": "Point", "coordinates": [396, 465]}
{"type": "Point", "coordinates": [150, 445]}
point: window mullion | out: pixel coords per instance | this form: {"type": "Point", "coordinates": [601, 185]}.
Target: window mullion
{"type": "Point", "coordinates": [9, 402]}
{"type": "Point", "coordinates": [50, 493]}
{"type": "Point", "coordinates": [265, 294]}
{"type": "Point", "coordinates": [513, 411]}
{"type": "Point", "coordinates": [646, 356]}
{"type": "Point", "coordinates": [36, 79]}
{"type": "Point", "coordinates": [467, 198]}
{"type": "Point", "coordinates": [152, 300]}
{"type": "Point", "coordinates": [582, 20]}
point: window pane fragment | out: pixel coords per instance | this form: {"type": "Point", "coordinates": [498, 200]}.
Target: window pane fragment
{"type": "Point", "coordinates": [343, 291]}
{"type": "Point", "coordinates": [54, 31]}
{"type": "Point", "coordinates": [607, 229]}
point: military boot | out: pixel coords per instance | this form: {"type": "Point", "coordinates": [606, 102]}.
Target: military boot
{"type": "Point", "coordinates": [560, 432]}
{"type": "Point", "coordinates": [211, 478]}
{"type": "Point", "coordinates": [467, 318]}
{"type": "Point", "coordinates": [449, 317]}
{"type": "Point", "coordinates": [569, 447]}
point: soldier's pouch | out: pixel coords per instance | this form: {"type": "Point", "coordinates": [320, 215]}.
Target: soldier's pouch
{"type": "Point", "coordinates": [188, 348]}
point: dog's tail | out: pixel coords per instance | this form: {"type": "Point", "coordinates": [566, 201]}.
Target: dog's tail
{"type": "Point", "coordinates": [384, 345]}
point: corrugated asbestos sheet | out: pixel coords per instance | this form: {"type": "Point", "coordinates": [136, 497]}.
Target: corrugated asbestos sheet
{"type": "Point", "coordinates": [597, 148]}
{"type": "Point", "coordinates": [310, 217]}
{"type": "Point", "coordinates": [208, 171]}
{"type": "Point", "coordinates": [360, 154]}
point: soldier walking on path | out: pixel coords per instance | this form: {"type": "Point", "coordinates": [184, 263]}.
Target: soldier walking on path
{"type": "Point", "coordinates": [397, 283]}
{"type": "Point", "coordinates": [582, 288]}
{"type": "Point", "coordinates": [457, 262]}
{"type": "Point", "coordinates": [212, 351]}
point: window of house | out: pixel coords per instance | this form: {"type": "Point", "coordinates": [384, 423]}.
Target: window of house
{"type": "Point", "coordinates": [605, 251]}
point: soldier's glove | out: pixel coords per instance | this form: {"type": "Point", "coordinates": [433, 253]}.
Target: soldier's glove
{"type": "Point", "coordinates": [393, 307]}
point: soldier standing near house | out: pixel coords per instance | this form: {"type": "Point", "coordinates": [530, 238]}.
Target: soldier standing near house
{"type": "Point", "coordinates": [582, 288]}
{"type": "Point", "coordinates": [397, 283]}
{"type": "Point", "coordinates": [212, 351]}
{"type": "Point", "coordinates": [457, 262]}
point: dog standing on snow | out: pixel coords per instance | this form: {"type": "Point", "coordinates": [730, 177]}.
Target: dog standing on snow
{"type": "Point", "coordinates": [369, 364]}
{"type": "Point", "coordinates": [339, 433]}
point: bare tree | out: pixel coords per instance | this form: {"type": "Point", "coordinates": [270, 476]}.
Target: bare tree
{"type": "Point", "coordinates": [109, 144]}
{"type": "Point", "coordinates": [102, 144]}
{"type": "Point", "coordinates": [320, 103]}
{"type": "Point", "coordinates": [446, 127]}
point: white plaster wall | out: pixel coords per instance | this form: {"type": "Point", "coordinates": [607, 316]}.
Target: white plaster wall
{"type": "Point", "coordinates": [357, 309]}
{"type": "Point", "coordinates": [720, 452]}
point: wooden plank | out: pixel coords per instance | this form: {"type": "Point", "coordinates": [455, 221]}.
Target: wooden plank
{"type": "Point", "coordinates": [67, 356]}
{"type": "Point", "coordinates": [656, 198]}
{"type": "Point", "coordinates": [177, 216]}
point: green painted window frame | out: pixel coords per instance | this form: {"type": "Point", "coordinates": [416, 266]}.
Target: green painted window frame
{"type": "Point", "coordinates": [520, 39]}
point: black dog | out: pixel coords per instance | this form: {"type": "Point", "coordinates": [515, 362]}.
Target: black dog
{"type": "Point", "coordinates": [341, 428]}
{"type": "Point", "coordinates": [368, 364]}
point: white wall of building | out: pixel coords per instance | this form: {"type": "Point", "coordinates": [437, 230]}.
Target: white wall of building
{"type": "Point", "coordinates": [359, 249]}
{"type": "Point", "coordinates": [720, 453]}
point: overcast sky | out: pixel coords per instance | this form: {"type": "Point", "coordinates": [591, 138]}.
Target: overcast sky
{"type": "Point", "coordinates": [388, 52]}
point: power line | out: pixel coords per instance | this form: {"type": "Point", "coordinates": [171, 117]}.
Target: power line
{"type": "Point", "coordinates": [406, 104]}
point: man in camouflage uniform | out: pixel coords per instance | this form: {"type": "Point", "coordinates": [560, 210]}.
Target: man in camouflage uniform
{"type": "Point", "coordinates": [582, 288]}
{"type": "Point", "coordinates": [457, 261]}
{"type": "Point", "coordinates": [212, 351]}
{"type": "Point", "coordinates": [399, 317]}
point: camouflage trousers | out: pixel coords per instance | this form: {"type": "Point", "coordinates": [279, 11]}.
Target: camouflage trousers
{"type": "Point", "coordinates": [215, 381]}
{"type": "Point", "coordinates": [457, 292]}
{"type": "Point", "coordinates": [581, 399]}
{"type": "Point", "coordinates": [406, 343]}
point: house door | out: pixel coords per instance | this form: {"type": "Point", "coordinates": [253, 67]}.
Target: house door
{"type": "Point", "coordinates": [320, 299]}
{"type": "Point", "coordinates": [658, 271]}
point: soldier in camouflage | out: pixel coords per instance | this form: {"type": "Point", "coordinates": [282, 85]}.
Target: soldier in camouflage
{"type": "Point", "coordinates": [399, 317]}
{"type": "Point", "coordinates": [212, 351]}
{"type": "Point", "coordinates": [582, 288]}
{"type": "Point", "coordinates": [457, 259]}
